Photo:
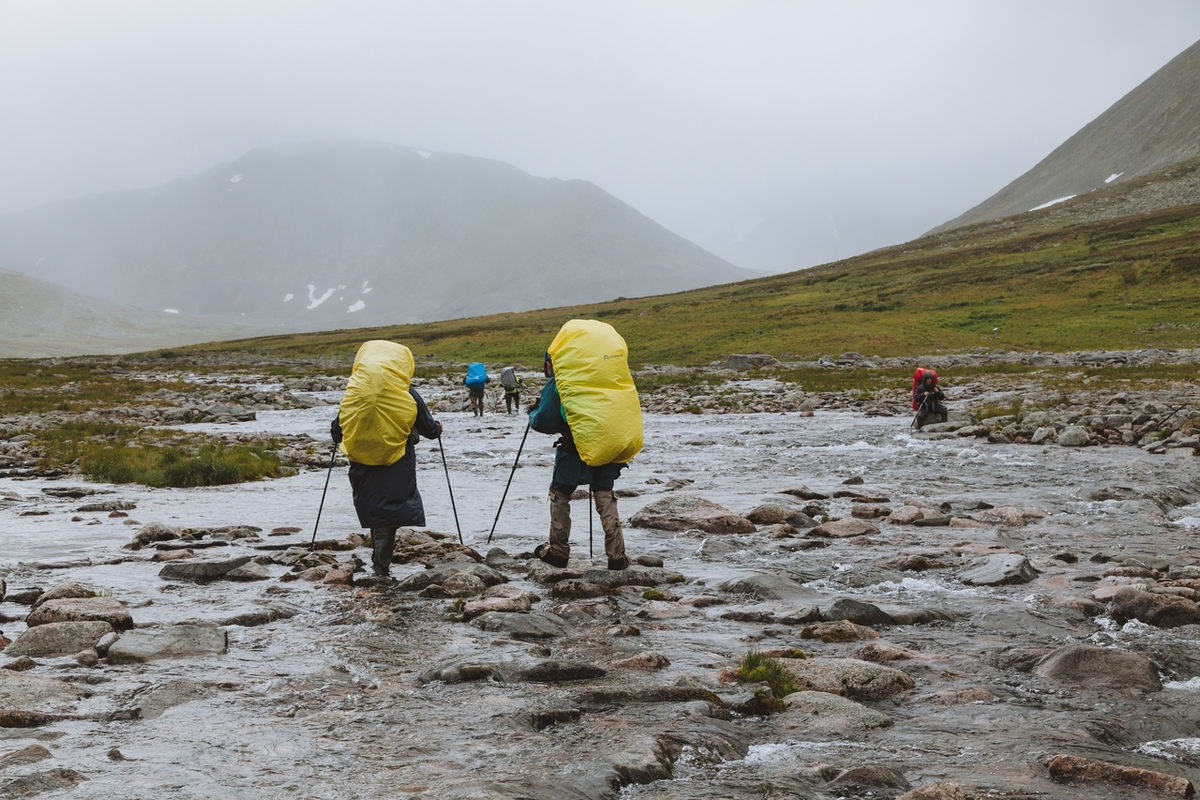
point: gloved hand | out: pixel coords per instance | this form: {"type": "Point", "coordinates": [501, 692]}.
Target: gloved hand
{"type": "Point", "coordinates": [335, 432]}
{"type": "Point", "coordinates": [441, 428]}
{"type": "Point", "coordinates": [532, 407]}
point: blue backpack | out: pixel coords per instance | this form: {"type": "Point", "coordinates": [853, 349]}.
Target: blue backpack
{"type": "Point", "coordinates": [476, 375]}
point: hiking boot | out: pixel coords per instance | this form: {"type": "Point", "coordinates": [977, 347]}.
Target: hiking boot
{"type": "Point", "coordinates": [618, 563]}
{"type": "Point", "coordinates": [383, 542]}
{"type": "Point", "coordinates": [542, 551]}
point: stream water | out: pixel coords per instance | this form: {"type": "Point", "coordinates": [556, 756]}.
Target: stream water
{"type": "Point", "coordinates": [327, 703]}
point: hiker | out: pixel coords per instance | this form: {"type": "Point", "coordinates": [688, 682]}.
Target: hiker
{"type": "Point", "coordinates": [475, 381]}
{"type": "Point", "coordinates": [928, 397]}
{"type": "Point", "coordinates": [378, 424]}
{"type": "Point", "coordinates": [600, 430]}
{"type": "Point", "coordinates": [512, 391]}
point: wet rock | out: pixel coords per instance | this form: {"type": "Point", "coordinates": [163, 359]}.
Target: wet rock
{"type": "Point", "coordinates": [175, 641]}
{"type": "Point", "coordinates": [1001, 569]}
{"type": "Point", "coordinates": [252, 571]}
{"type": "Point", "coordinates": [151, 533]}
{"type": "Point", "coordinates": [922, 616]}
{"type": "Point", "coordinates": [541, 572]}
{"type": "Point", "coordinates": [649, 661]}
{"type": "Point", "coordinates": [578, 589]}
{"type": "Point", "coordinates": [159, 698]}
{"type": "Point", "coordinates": [439, 575]}
{"type": "Point", "coordinates": [870, 512]}
{"type": "Point", "coordinates": [58, 638]}
{"type": "Point", "coordinates": [840, 631]}
{"type": "Point", "coordinates": [497, 558]}
{"type": "Point", "coordinates": [932, 520]}
{"type": "Point", "coordinates": [848, 677]}
{"type": "Point", "coordinates": [1159, 610]}
{"type": "Point", "coordinates": [201, 571]}
{"type": "Point", "coordinates": [1075, 770]}
{"type": "Point", "coordinates": [687, 512]}
{"type": "Point", "coordinates": [805, 493]}
{"type": "Point", "coordinates": [39, 782]}
{"type": "Point", "coordinates": [843, 529]}
{"type": "Point", "coordinates": [858, 612]}
{"type": "Point", "coordinates": [941, 790]}
{"type": "Point", "coordinates": [35, 694]}
{"type": "Point", "coordinates": [63, 591]}
{"type": "Point", "coordinates": [1074, 436]}
{"type": "Point", "coordinates": [766, 586]}
{"type": "Point", "coordinates": [464, 672]}
{"type": "Point", "coordinates": [338, 577]}
{"type": "Point", "coordinates": [1099, 668]}
{"type": "Point", "coordinates": [870, 776]}
{"type": "Point", "coordinates": [1004, 515]}
{"type": "Point", "coordinates": [881, 652]}
{"type": "Point", "coordinates": [20, 664]}
{"type": "Point", "coordinates": [252, 619]}
{"type": "Point", "coordinates": [830, 713]}
{"type": "Point", "coordinates": [26, 755]}
{"type": "Point", "coordinates": [107, 505]}
{"type": "Point", "coordinates": [463, 584]}
{"type": "Point", "coordinates": [632, 576]}
{"type": "Point", "coordinates": [475, 608]}
{"type": "Point", "coordinates": [556, 671]}
{"type": "Point", "coordinates": [533, 625]}
{"type": "Point", "coordinates": [102, 609]}
{"type": "Point", "coordinates": [777, 513]}
{"type": "Point", "coordinates": [905, 515]}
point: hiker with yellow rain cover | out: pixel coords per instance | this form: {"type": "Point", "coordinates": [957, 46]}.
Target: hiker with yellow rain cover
{"type": "Point", "coordinates": [377, 428]}
{"type": "Point", "coordinates": [591, 402]}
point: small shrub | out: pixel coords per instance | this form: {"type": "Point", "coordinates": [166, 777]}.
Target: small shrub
{"type": "Point", "coordinates": [758, 668]}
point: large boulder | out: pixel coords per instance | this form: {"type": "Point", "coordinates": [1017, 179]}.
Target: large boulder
{"type": "Point", "coordinates": [533, 625]}
{"type": "Point", "coordinates": [1159, 610]}
{"type": "Point", "coordinates": [1001, 569]}
{"type": "Point", "coordinates": [58, 638]}
{"type": "Point", "coordinates": [176, 641]}
{"type": "Point", "coordinates": [830, 713]}
{"type": "Point", "coordinates": [102, 609]}
{"type": "Point", "coordinates": [1100, 668]}
{"type": "Point", "coordinates": [690, 512]}
{"type": "Point", "coordinates": [21, 692]}
{"type": "Point", "coordinates": [201, 571]}
{"type": "Point", "coordinates": [848, 677]}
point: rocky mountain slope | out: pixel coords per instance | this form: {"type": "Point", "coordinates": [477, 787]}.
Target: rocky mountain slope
{"type": "Point", "coordinates": [350, 234]}
{"type": "Point", "coordinates": [1153, 127]}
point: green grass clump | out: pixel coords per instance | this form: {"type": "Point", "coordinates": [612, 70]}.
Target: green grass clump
{"type": "Point", "coordinates": [758, 668]}
{"type": "Point", "coordinates": [179, 467]}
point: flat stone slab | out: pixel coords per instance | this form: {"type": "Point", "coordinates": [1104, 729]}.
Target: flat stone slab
{"type": "Point", "coordinates": [632, 576]}
{"type": "Point", "coordinates": [101, 609]}
{"type": "Point", "coordinates": [1100, 669]}
{"type": "Point", "coordinates": [177, 641]}
{"type": "Point", "coordinates": [848, 677]}
{"type": "Point", "coordinates": [687, 512]}
{"type": "Point", "coordinates": [58, 638]}
{"type": "Point", "coordinates": [1001, 569]}
{"type": "Point", "coordinates": [843, 529]}
{"type": "Point", "coordinates": [438, 575]}
{"type": "Point", "coordinates": [832, 713]}
{"type": "Point", "coordinates": [201, 571]}
{"type": "Point", "coordinates": [22, 692]}
{"type": "Point", "coordinates": [533, 625]}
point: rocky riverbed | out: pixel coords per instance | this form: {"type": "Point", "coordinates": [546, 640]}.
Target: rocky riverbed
{"type": "Point", "coordinates": [967, 616]}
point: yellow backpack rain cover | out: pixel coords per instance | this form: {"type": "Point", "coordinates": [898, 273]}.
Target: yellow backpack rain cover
{"type": "Point", "coordinates": [600, 402]}
{"type": "Point", "coordinates": [378, 413]}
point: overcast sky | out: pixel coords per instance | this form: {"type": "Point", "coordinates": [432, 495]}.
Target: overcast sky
{"type": "Point", "coordinates": [710, 117]}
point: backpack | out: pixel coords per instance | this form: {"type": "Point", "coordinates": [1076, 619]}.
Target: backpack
{"type": "Point", "coordinates": [377, 413]}
{"type": "Point", "coordinates": [508, 379]}
{"type": "Point", "coordinates": [599, 400]}
{"type": "Point", "coordinates": [919, 376]}
{"type": "Point", "coordinates": [476, 375]}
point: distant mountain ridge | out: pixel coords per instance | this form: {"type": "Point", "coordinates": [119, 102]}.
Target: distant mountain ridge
{"type": "Point", "coordinates": [351, 234]}
{"type": "Point", "coordinates": [1149, 129]}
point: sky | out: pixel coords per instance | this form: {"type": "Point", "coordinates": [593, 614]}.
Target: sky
{"type": "Point", "coordinates": [756, 128]}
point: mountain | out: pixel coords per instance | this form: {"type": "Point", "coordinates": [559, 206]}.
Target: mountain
{"type": "Point", "coordinates": [1149, 129]}
{"type": "Point", "coordinates": [351, 234]}
{"type": "Point", "coordinates": [42, 319]}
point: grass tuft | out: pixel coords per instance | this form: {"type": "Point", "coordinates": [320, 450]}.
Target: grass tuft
{"type": "Point", "coordinates": [758, 668]}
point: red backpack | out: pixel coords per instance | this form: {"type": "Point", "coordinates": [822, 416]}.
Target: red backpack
{"type": "Point", "coordinates": [918, 376]}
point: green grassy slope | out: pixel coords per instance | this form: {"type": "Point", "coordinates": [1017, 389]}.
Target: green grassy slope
{"type": "Point", "coordinates": [1121, 283]}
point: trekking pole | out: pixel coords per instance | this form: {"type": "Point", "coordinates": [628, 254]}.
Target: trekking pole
{"type": "Point", "coordinates": [589, 523]}
{"type": "Point", "coordinates": [918, 414]}
{"type": "Point", "coordinates": [450, 488]}
{"type": "Point", "coordinates": [321, 507]}
{"type": "Point", "coordinates": [510, 477]}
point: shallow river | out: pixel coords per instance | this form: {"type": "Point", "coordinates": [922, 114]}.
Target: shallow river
{"type": "Point", "coordinates": [326, 704]}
